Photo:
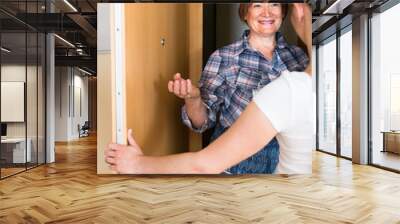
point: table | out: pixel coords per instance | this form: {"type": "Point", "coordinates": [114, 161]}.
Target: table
{"type": "Point", "coordinates": [391, 141]}
{"type": "Point", "coordinates": [16, 147]}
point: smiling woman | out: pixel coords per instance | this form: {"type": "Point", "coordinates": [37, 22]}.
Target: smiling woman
{"type": "Point", "coordinates": [234, 73]}
{"type": "Point", "coordinates": [263, 19]}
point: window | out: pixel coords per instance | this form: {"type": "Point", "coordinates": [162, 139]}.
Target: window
{"type": "Point", "coordinates": [395, 102]}
{"type": "Point", "coordinates": [327, 96]}
{"type": "Point", "coordinates": [346, 93]}
{"type": "Point", "coordinates": [385, 89]}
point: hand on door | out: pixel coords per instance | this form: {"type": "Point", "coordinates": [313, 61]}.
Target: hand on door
{"type": "Point", "coordinates": [183, 88]}
{"type": "Point", "coordinates": [124, 158]}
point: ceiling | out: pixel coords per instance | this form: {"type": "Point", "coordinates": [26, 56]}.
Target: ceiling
{"type": "Point", "coordinates": [331, 15]}
{"type": "Point", "coordinates": [72, 20]}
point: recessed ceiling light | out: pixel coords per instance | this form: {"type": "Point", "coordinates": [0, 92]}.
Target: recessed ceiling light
{"type": "Point", "coordinates": [70, 5]}
{"type": "Point", "coordinates": [64, 40]}
{"type": "Point", "coordinates": [337, 7]}
{"type": "Point", "coordinates": [84, 71]}
{"type": "Point", "coordinates": [5, 50]}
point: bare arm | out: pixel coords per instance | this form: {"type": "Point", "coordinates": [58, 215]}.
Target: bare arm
{"type": "Point", "coordinates": [250, 132]}
{"type": "Point", "coordinates": [301, 22]}
{"type": "Point", "coordinates": [195, 108]}
{"type": "Point", "coordinates": [245, 137]}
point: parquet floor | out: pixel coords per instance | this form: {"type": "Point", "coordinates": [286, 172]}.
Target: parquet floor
{"type": "Point", "coordinates": [69, 191]}
{"type": "Point", "coordinates": [387, 159]}
{"type": "Point", "coordinates": [9, 171]}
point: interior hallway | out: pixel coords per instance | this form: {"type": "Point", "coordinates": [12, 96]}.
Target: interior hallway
{"type": "Point", "coordinates": [70, 191]}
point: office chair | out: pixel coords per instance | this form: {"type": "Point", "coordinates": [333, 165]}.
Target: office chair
{"type": "Point", "coordinates": [84, 130]}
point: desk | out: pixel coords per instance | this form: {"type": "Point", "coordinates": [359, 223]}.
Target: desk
{"type": "Point", "coordinates": [391, 141]}
{"type": "Point", "coordinates": [16, 147]}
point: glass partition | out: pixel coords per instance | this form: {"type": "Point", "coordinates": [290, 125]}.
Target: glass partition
{"type": "Point", "coordinates": [32, 86]}
{"type": "Point", "coordinates": [327, 96]}
{"type": "Point", "coordinates": [13, 104]}
{"type": "Point", "coordinates": [22, 77]}
{"type": "Point", "coordinates": [346, 93]}
{"type": "Point", "coordinates": [41, 86]}
{"type": "Point", "coordinates": [31, 100]}
{"type": "Point", "coordinates": [385, 89]}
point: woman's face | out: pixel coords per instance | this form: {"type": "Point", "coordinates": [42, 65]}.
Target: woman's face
{"type": "Point", "coordinates": [264, 18]}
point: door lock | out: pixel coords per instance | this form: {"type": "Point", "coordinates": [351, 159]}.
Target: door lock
{"type": "Point", "coordinates": [162, 41]}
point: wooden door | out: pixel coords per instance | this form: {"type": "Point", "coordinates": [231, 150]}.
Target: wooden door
{"type": "Point", "coordinates": [157, 46]}
{"type": "Point", "coordinates": [160, 40]}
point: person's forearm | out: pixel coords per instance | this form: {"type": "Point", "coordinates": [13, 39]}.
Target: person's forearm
{"type": "Point", "coordinates": [235, 145]}
{"type": "Point", "coordinates": [184, 163]}
{"type": "Point", "coordinates": [196, 111]}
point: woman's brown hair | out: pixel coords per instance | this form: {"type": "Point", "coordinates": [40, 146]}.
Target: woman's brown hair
{"type": "Point", "coordinates": [244, 7]}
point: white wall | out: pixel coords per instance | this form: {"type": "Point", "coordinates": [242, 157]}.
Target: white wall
{"type": "Point", "coordinates": [79, 117]}
{"type": "Point", "coordinates": [13, 72]}
{"type": "Point", "coordinates": [71, 93]}
{"type": "Point", "coordinates": [62, 81]}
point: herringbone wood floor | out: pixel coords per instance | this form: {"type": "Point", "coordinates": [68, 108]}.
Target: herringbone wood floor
{"type": "Point", "coordinates": [69, 191]}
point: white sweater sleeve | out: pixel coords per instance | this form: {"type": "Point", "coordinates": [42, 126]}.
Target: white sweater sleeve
{"type": "Point", "coordinates": [275, 101]}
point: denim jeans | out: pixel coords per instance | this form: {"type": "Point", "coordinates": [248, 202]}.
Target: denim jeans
{"type": "Point", "coordinates": [264, 161]}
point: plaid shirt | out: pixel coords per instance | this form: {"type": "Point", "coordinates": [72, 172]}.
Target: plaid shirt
{"type": "Point", "coordinates": [233, 73]}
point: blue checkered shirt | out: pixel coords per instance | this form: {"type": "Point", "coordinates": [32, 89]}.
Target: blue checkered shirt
{"type": "Point", "coordinates": [233, 73]}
